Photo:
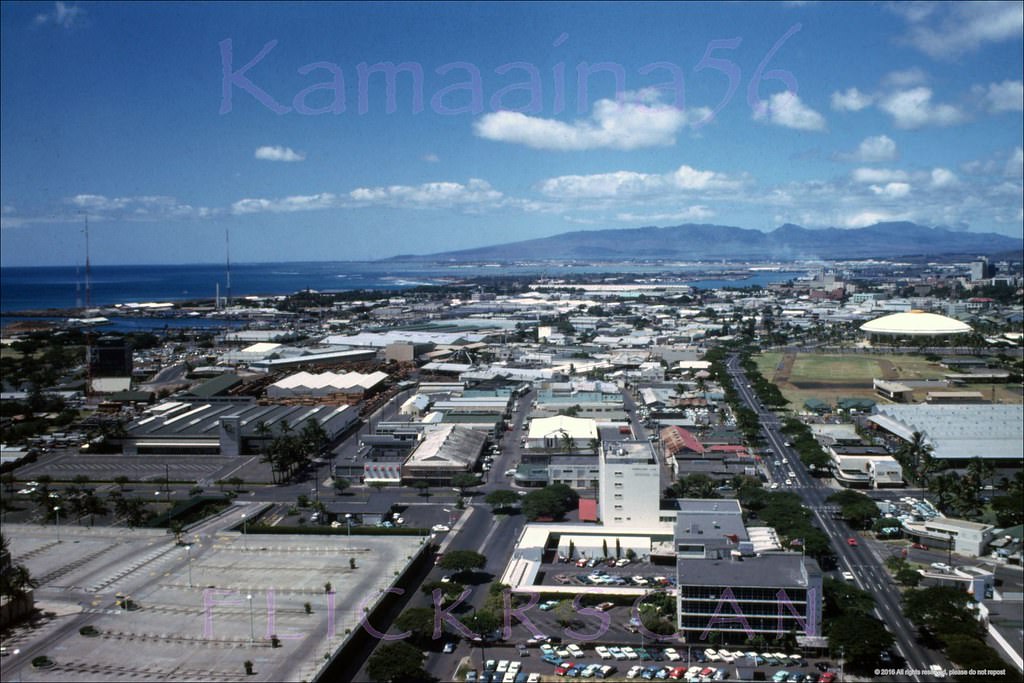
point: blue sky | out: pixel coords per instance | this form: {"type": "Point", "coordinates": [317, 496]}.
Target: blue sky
{"type": "Point", "coordinates": [858, 113]}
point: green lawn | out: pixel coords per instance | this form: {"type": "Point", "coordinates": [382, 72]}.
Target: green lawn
{"type": "Point", "coordinates": [829, 377]}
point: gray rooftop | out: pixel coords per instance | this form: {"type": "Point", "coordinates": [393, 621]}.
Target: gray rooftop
{"type": "Point", "coordinates": [192, 420]}
{"type": "Point", "coordinates": [959, 431]}
{"type": "Point", "coordinates": [769, 570]}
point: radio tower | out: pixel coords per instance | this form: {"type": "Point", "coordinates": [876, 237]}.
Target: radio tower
{"type": "Point", "coordinates": [227, 250]}
{"type": "Point", "coordinates": [88, 305]}
{"type": "Point", "coordinates": [88, 283]}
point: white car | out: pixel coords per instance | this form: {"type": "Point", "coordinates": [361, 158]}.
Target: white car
{"type": "Point", "coordinates": [533, 678]}
{"type": "Point", "coordinates": [847, 576]}
{"type": "Point", "coordinates": [634, 672]}
{"type": "Point", "coordinates": [574, 650]}
{"type": "Point", "coordinates": [602, 652]}
{"type": "Point", "coordinates": [775, 485]}
{"type": "Point", "coordinates": [438, 528]}
{"type": "Point", "coordinates": [630, 653]}
{"type": "Point", "coordinates": [671, 654]}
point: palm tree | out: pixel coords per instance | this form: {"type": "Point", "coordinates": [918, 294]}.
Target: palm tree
{"type": "Point", "coordinates": [568, 443]}
{"type": "Point", "coordinates": [943, 486]}
{"type": "Point", "coordinates": [314, 436]}
{"type": "Point", "coordinates": [917, 455]}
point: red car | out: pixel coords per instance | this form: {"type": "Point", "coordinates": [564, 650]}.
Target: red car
{"type": "Point", "coordinates": [919, 546]}
{"type": "Point", "coordinates": [851, 541]}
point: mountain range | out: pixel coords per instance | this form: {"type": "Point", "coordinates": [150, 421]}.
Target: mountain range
{"type": "Point", "coordinates": [694, 242]}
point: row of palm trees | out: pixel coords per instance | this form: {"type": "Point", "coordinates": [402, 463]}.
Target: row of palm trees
{"type": "Point", "coordinates": [289, 451]}
{"type": "Point", "coordinates": [962, 493]}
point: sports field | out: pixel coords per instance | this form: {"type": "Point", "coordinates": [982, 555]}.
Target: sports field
{"type": "Point", "coordinates": [830, 377]}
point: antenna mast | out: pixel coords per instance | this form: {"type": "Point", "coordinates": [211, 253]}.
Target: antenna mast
{"type": "Point", "coordinates": [227, 248]}
{"type": "Point", "coordinates": [88, 283]}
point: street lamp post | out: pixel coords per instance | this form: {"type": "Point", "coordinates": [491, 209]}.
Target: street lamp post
{"type": "Point", "coordinates": [245, 537]}
{"type": "Point", "coordinates": [348, 523]}
{"type": "Point", "coordinates": [252, 622]}
{"type": "Point", "coordinates": [56, 512]}
{"type": "Point", "coordinates": [188, 552]}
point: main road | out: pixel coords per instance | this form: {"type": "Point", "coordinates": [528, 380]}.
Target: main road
{"type": "Point", "coordinates": [862, 560]}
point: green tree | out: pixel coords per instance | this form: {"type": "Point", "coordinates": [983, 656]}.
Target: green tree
{"type": "Point", "coordinates": [419, 621]}
{"type": "Point", "coordinates": [857, 509]}
{"type": "Point", "coordinates": [939, 612]}
{"type": "Point", "coordinates": [397, 662]}
{"type": "Point", "coordinates": [551, 501]}
{"type": "Point", "coordinates": [501, 498]}
{"type": "Point", "coordinates": [568, 444]}
{"type": "Point", "coordinates": [463, 560]}
{"type": "Point", "coordinates": [944, 486]}
{"type": "Point", "coordinates": [465, 480]}
{"type": "Point", "coordinates": [341, 484]}
{"type": "Point", "coordinates": [860, 637]}
{"type": "Point", "coordinates": [423, 486]}
{"type": "Point", "coordinates": [450, 591]}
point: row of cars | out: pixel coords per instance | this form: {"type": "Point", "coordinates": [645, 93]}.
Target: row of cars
{"type": "Point", "coordinates": [551, 653]}
{"type": "Point", "coordinates": [602, 578]}
{"type": "Point", "coordinates": [676, 673]}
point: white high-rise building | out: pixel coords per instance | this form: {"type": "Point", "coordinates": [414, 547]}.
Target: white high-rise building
{"type": "Point", "coordinates": [630, 485]}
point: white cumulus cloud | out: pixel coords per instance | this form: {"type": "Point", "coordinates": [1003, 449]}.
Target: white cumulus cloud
{"type": "Point", "coordinates": [949, 29]}
{"type": "Point", "coordinates": [475, 192]}
{"type": "Point", "coordinates": [892, 190]}
{"type": "Point", "coordinates": [851, 99]}
{"type": "Point", "coordinates": [692, 213]}
{"type": "Point", "coordinates": [943, 177]}
{"type": "Point", "coordinates": [878, 175]}
{"type": "Point", "coordinates": [1005, 96]}
{"type": "Point", "coordinates": [785, 109]}
{"type": "Point", "coordinates": [628, 184]}
{"type": "Point", "coordinates": [914, 108]}
{"type": "Point", "coordinates": [636, 121]}
{"type": "Point", "coordinates": [278, 153]}
{"type": "Point", "coordinates": [312, 202]}
{"type": "Point", "coordinates": [872, 150]}
{"type": "Point", "coordinates": [1015, 164]}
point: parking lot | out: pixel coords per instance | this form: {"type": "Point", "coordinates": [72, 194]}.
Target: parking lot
{"type": "Point", "coordinates": [550, 661]}
{"type": "Point", "coordinates": [130, 605]}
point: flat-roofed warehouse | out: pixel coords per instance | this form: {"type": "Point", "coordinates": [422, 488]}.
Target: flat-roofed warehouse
{"type": "Point", "coordinates": [225, 428]}
{"type": "Point", "coordinates": [959, 432]}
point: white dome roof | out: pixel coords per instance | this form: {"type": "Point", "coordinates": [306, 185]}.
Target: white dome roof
{"type": "Point", "coordinates": [915, 323]}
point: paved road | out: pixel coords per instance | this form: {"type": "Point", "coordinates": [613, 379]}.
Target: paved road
{"type": "Point", "coordinates": [865, 560]}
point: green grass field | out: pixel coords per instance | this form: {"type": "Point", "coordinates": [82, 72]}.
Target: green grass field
{"type": "Point", "coordinates": [829, 377]}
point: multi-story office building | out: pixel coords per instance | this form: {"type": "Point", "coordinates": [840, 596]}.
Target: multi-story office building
{"type": "Point", "coordinates": [727, 587]}
{"type": "Point", "coordinates": [630, 484]}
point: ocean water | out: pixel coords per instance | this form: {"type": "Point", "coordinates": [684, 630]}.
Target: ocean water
{"type": "Point", "coordinates": [63, 287]}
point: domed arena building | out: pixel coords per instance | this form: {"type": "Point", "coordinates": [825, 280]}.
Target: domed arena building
{"type": "Point", "coordinates": [915, 324]}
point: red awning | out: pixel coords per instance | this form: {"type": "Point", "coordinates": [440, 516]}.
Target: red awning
{"type": "Point", "coordinates": [588, 510]}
